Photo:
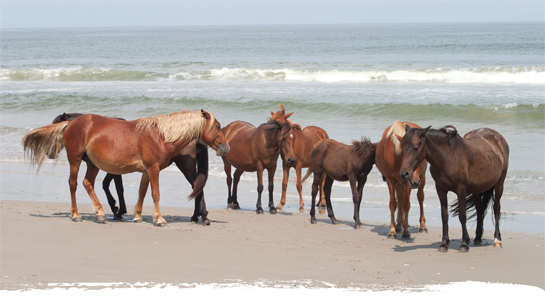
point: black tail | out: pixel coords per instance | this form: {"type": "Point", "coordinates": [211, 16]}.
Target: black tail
{"type": "Point", "coordinates": [202, 170]}
{"type": "Point", "coordinates": [486, 196]}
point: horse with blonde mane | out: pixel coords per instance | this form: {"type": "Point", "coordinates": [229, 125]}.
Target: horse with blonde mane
{"type": "Point", "coordinates": [388, 161]}
{"type": "Point", "coordinates": [119, 147]}
{"type": "Point", "coordinates": [302, 147]}
{"type": "Point", "coordinates": [254, 149]}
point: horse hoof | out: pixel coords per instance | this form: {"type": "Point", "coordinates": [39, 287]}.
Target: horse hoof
{"type": "Point", "coordinates": [497, 245]}
{"type": "Point", "coordinates": [392, 236]}
{"type": "Point", "coordinates": [161, 224]}
{"type": "Point", "coordinates": [312, 221]}
{"type": "Point", "coordinates": [101, 219]}
{"type": "Point", "coordinates": [477, 242]}
{"type": "Point", "coordinates": [463, 249]}
{"type": "Point", "coordinates": [334, 222]}
{"type": "Point", "coordinates": [272, 210]}
{"type": "Point", "coordinates": [357, 226]}
{"type": "Point", "coordinates": [259, 211]}
{"type": "Point", "coordinates": [76, 219]}
{"type": "Point", "coordinates": [206, 222]}
{"type": "Point", "coordinates": [423, 230]}
{"type": "Point", "coordinates": [406, 236]}
{"type": "Point", "coordinates": [398, 230]}
{"type": "Point", "coordinates": [116, 217]}
{"type": "Point", "coordinates": [443, 248]}
{"type": "Point", "coordinates": [229, 207]}
{"type": "Point", "coordinates": [137, 220]}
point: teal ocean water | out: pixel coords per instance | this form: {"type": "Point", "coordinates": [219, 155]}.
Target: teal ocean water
{"type": "Point", "coordinates": [351, 80]}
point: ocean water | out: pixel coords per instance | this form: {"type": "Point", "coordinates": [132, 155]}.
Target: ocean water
{"type": "Point", "coordinates": [351, 80]}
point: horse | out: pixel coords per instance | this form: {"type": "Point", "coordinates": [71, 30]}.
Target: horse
{"type": "Point", "coordinates": [304, 140]}
{"type": "Point", "coordinates": [186, 161]}
{"type": "Point", "coordinates": [473, 167]}
{"type": "Point", "coordinates": [119, 147]}
{"type": "Point", "coordinates": [342, 163]}
{"type": "Point", "coordinates": [254, 150]}
{"type": "Point", "coordinates": [388, 161]}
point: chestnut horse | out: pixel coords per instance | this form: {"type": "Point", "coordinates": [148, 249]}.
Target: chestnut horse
{"type": "Point", "coordinates": [473, 167]}
{"type": "Point", "coordinates": [342, 163]}
{"type": "Point", "coordinates": [302, 147]}
{"type": "Point", "coordinates": [254, 150]}
{"type": "Point", "coordinates": [388, 160]}
{"type": "Point", "coordinates": [119, 147]}
{"type": "Point", "coordinates": [186, 161]}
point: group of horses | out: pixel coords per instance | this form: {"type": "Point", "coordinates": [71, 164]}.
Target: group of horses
{"type": "Point", "coordinates": [473, 167]}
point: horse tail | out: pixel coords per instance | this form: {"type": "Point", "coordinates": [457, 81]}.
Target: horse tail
{"type": "Point", "coordinates": [47, 141]}
{"type": "Point", "coordinates": [202, 170]}
{"type": "Point", "coordinates": [309, 171]}
{"type": "Point", "coordinates": [487, 197]}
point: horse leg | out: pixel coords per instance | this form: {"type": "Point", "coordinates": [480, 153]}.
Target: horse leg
{"type": "Point", "coordinates": [203, 211]}
{"type": "Point", "coordinates": [420, 196]}
{"type": "Point", "coordinates": [322, 202]}
{"type": "Point", "coordinates": [327, 188]}
{"type": "Point", "coordinates": [106, 187]}
{"type": "Point", "coordinates": [73, 183]}
{"type": "Point", "coordinates": [357, 193]}
{"type": "Point", "coordinates": [400, 194]}
{"type": "Point", "coordinates": [498, 191]}
{"type": "Point", "coordinates": [118, 180]}
{"type": "Point", "coordinates": [286, 170]}
{"type": "Point", "coordinates": [236, 179]}
{"type": "Point", "coordinates": [259, 188]}
{"type": "Point", "coordinates": [298, 171]}
{"type": "Point", "coordinates": [188, 169]}
{"type": "Point", "coordinates": [406, 205]}
{"type": "Point", "coordinates": [442, 194]}
{"type": "Point", "coordinates": [227, 169]}
{"type": "Point", "coordinates": [270, 174]}
{"type": "Point", "coordinates": [153, 173]}
{"type": "Point", "coordinates": [89, 184]}
{"type": "Point", "coordinates": [144, 183]}
{"type": "Point", "coordinates": [393, 207]}
{"type": "Point", "coordinates": [315, 184]}
{"type": "Point", "coordinates": [462, 215]}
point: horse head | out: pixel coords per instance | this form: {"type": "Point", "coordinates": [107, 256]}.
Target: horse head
{"type": "Point", "coordinates": [413, 147]}
{"type": "Point", "coordinates": [213, 134]}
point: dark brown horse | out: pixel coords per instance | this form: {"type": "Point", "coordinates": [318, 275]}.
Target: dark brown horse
{"type": "Point", "coordinates": [118, 147]}
{"type": "Point", "coordinates": [473, 167]}
{"type": "Point", "coordinates": [342, 163]}
{"type": "Point", "coordinates": [254, 150]}
{"type": "Point", "coordinates": [388, 160]}
{"type": "Point", "coordinates": [194, 153]}
{"type": "Point", "coordinates": [302, 147]}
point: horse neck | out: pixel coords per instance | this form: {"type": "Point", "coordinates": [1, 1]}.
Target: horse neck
{"type": "Point", "coordinates": [437, 149]}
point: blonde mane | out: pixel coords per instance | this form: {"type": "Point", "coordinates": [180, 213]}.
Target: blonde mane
{"type": "Point", "coordinates": [398, 128]}
{"type": "Point", "coordinates": [177, 126]}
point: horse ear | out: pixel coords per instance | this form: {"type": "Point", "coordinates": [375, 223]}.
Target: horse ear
{"type": "Point", "coordinates": [205, 114]}
{"type": "Point", "coordinates": [288, 115]}
{"type": "Point", "coordinates": [272, 113]}
{"type": "Point", "coordinates": [400, 138]}
{"type": "Point", "coordinates": [407, 128]}
{"type": "Point", "coordinates": [424, 131]}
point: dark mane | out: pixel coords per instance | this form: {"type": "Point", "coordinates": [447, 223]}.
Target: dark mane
{"type": "Point", "coordinates": [359, 146]}
{"type": "Point", "coordinates": [275, 128]}
{"type": "Point", "coordinates": [452, 134]}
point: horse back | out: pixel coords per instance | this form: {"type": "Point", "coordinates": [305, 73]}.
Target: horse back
{"type": "Point", "coordinates": [486, 141]}
{"type": "Point", "coordinates": [305, 140]}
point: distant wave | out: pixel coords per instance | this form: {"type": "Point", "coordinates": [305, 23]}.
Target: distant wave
{"type": "Point", "coordinates": [516, 75]}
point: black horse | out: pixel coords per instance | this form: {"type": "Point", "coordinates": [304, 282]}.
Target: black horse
{"type": "Point", "coordinates": [191, 161]}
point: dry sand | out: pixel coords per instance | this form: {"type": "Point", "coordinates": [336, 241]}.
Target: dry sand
{"type": "Point", "coordinates": [40, 245]}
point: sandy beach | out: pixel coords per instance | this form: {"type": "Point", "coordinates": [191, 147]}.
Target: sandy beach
{"type": "Point", "coordinates": [40, 245]}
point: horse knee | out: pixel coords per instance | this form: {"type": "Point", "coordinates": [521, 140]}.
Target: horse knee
{"type": "Point", "coordinates": [259, 188]}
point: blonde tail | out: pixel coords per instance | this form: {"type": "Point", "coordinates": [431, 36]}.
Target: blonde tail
{"type": "Point", "coordinates": [47, 141]}
{"type": "Point", "coordinates": [309, 171]}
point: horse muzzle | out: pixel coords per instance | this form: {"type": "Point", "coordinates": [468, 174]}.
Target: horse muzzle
{"type": "Point", "coordinates": [414, 184]}
{"type": "Point", "coordinates": [290, 161]}
{"type": "Point", "coordinates": [222, 149]}
{"type": "Point", "coordinates": [405, 176]}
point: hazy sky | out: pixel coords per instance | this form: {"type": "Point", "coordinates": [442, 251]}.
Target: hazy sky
{"type": "Point", "coordinates": [76, 13]}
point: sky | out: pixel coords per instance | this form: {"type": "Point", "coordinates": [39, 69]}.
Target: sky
{"type": "Point", "coordinates": [128, 13]}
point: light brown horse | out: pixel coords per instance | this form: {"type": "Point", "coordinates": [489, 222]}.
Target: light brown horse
{"type": "Point", "coordinates": [302, 147]}
{"type": "Point", "coordinates": [473, 167]}
{"type": "Point", "coordinates": [119, 147]}
{"type": "Point", "coordinates": [254, 150]}
{"type": "Point", "coordinates": [342, 163]}
{"type": "Point", "coordinates": [388, 160]}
